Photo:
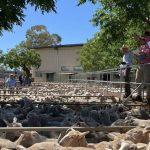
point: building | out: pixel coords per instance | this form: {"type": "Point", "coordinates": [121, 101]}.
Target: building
{"type": "Point", "coordinates": [59, 63]}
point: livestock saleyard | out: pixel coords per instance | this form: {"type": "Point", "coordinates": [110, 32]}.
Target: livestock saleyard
{"type": "Point", "coordinates": [77, 115]}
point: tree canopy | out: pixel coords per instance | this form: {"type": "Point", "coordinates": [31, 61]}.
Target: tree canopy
{"type": "Point", "coordinates": [12, 11]}
{"type": "Point", "coordinates": [117, 18]}
{"type": "Point", "coordinates": [96, 55]}
{"type": "Point", "coordinates": [22, 57]}
{"type": "Point", "coordinates": [38, 36]}
{"type": "Point", "coordinates": [83, 1]}
{"type": "Point", "coordinates": [1, 56]}
{"type": "Point", "coordinates": [118, 21]}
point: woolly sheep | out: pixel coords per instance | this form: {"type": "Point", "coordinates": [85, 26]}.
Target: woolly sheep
{"type": "Point", "coordinates": [74, 139]}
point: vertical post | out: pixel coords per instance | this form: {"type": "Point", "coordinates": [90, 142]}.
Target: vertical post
{"type": "Point", "coordinates": [143, 81]}
{"type": "Point", "coordinates": [107, 82]}
{"type": "Point", "coordinates": [121, 83]}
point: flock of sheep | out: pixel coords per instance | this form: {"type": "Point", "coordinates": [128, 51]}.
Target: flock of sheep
{"type": "Point", "coordinates": [27, 111]}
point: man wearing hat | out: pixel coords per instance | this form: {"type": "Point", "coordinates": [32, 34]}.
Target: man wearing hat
{"type": "Point", "coordinates": [127, 61]}
{"type": "Point", "coordinates": [11, 81]}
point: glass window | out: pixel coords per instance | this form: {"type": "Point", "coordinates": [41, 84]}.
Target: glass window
{"type": "Point", "coordinates": [65, 68]}
{"type": "Point", "coordinates": [77, 68]}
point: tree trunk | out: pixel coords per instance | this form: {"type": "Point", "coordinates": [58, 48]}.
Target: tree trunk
{"type": "Point", "coordinates": [26, 70]}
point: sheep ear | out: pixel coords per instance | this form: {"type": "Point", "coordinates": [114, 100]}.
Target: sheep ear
{"type": "Point", "coordinates": [85, 133]}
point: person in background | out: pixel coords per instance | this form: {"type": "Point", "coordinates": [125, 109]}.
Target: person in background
{"type": "Point", "coordinates": [125, 67]}
{"type": "Point", "coordinates": [27, 80]}
{"type": "Point", "coordinates": [143, 70]}
{"type": "Point", "coordinates": [11, 81]}
{"type": "Point", "coordinates": [21, 79]}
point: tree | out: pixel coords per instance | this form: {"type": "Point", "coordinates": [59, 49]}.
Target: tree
{"type": "Point", "coordinates": [116, 18]}
{"type": "Point", "coordinates": [1, 60]}
{"type": "Point", "coordinates": [38, 36]}
{"type": "Point", "coordinates": [83, 1]}
{"type": "Point", "coordinates": [12, 11]}
{"type": "Point", "coordinates": [1, 56]}
{"type": "Point", "coordinates": [22, 57]}
{"type": "Point", "coordinates": [118, 21]}
{"type": "Point", "coordinates": [96, 55]}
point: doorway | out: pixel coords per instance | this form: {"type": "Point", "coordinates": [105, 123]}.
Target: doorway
{"type": "Point", "coordinates": [50, 77]}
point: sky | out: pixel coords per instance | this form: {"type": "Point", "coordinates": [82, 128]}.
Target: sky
{"type": "Point", "coordinates": [71, 22]}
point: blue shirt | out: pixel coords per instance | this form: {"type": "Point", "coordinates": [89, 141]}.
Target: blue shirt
{"type": "Point", "coordinates": [10, 82]}
{"type": "Point", "coordinates": [128, 58]}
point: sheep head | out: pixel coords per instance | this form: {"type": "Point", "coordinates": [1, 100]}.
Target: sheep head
{"type": "Point", "coordinates": [128, 145]}
{"type": "Point", "coordinates": [74, 139]}
{"type": "Point", "coordinates": [138, 135]}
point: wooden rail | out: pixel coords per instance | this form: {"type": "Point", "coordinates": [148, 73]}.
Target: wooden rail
{"type": "Point", "coordinates": [104, 128]}
{"type": "Point", "coordinates": [80, 103]}
{"type": "Point", "coordinates": [107, 96]}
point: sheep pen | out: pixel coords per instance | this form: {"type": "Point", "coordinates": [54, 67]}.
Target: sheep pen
{"type": "Point", "coordinates": [56, 116]}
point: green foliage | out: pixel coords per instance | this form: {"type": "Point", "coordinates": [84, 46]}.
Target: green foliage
{"type": "Point", "coordinates": [83, 1]}
{"type": "Point", "coordinates": [56, 39]}
{"type": "Point", "coordinates": [38, 36]}
{"type": "Point", "coordinates": [1, 56]}
{"type": "Point", "coordinates": [117, 17]}
{"type": "Point", "coordinates": [118, 21]}
{"type": "Point", "coordinates": [97, 55]}
{"type": "Point", "coordinates": [1, 53]}
{"type": "Point", "coordinates": [22, 57]}
{"type": "Point", "coordinates": [12, 11]}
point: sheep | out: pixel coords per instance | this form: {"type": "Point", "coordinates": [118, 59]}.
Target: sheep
{"type": "Point", "coordinates": [94, 114]}
{"type": "Point", "coordinates": [33, 119]}
{"type": "Point", "coordinates": [41, 146]}
{"type": "Point", "coordinates": [4, 143]}
{"type": "Point", "coordinates": [138, 135]}
{"type": "Point", "coordinates": [104, 145]}
{"type": "Point", "coordinates": [128, 145]}
{"type": "Point", "coordinates": [148, 148]}
{"type": "Point", "coordinates": [131, 121]}
{"type": "Point", "coordinates": [13, 135]}
{"type": "Point", "coordinates": [84, 112]}
{"type": "Point", "coordinates": [118, 143]}
{"type": "Point", "coordinates": [75, 148]}
{"type": "Point", "coordinates": [50, 146]}
{"type": "Point", "coordinates": [5, 149]}
{"type": "Point", "coordinates": [74, 138]}
{"type": "Point", "coordinates": [141, 146]}
{"type": "Point", "coordinates": [140, 122]}
{"type": "Point", "coordinates": [32, 137]}
{"type": "Point", "coordinates": [105, 117]}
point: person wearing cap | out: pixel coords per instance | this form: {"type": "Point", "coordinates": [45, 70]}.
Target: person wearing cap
{"type": "Point", "coordinates": [11, 81]}
{"type": "Point", "coordinates": [126, 64]}
{"type": "Point", "coordinates": [143, 70]}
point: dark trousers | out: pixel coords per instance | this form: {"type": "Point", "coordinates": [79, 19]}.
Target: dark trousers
{"type": "Point", "coordinates": [127, 80]}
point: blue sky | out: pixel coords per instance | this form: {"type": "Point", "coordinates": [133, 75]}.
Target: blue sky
{"type": "Point", "coordinates": [71, 22]}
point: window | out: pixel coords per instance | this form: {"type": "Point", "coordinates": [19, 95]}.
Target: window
{"type": "Point", "coordinates": [65, 68]}
{"type": "Point", "coordinates": [77, 68]}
